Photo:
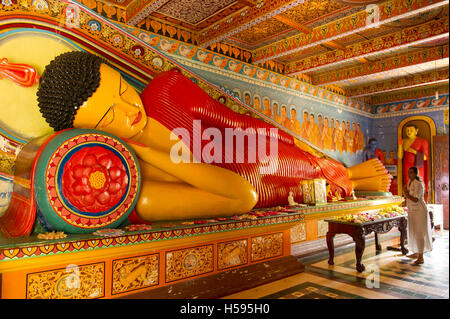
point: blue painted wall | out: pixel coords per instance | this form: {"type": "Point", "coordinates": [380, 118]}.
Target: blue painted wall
{"type": "Point", "coordinates": [293, 100]}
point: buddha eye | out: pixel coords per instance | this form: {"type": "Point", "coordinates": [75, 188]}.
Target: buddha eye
{"type": "Point", "coordinates": [123, 87]}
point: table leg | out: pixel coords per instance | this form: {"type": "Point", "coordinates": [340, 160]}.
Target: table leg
{"type": "Point", "coordinates": [360, 245]}
{"type": "Point", "coordinates": [330, 245]}
{"type": "Point", "coordinates": [377, 244]}
{"type": "Point", "coordinates": [402, 229]}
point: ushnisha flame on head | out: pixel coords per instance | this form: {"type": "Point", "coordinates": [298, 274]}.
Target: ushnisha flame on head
{"type": "Point", "coordinates": [22, 74]}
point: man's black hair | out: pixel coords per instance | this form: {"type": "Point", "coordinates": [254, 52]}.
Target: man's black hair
{"type": "Point", "coordinates": [67, 82]}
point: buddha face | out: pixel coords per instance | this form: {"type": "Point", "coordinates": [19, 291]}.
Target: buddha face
{"type": "Point", "coordinates": [293, 114]}
{"type": "Point", "coordinates": [283, 112]}
{"type": "Point", "coordinates": [411, 132]}
{"type": "Point", "coordinates": [115, 107]}
{"type": "Point", "coordinates": [247, 98]}
{"type": "Point", "coordinates": [256, 102]}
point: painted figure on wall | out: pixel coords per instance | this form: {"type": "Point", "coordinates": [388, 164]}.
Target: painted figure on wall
{"type": "Point", "coordinates": [305, 126]}
{"type": "Point", "coordinates": [295, 124]}
{"type": "Point", "coordinates": [285, 120]}
{"type": "Point", "coordinates": [414, 151]}
{"type": "Point", "coordinates": [320, 132]}
{"type": "Point", "coordinates": [257, 103]}
{"type": "Point", "coordinates": [327, 134]}
{"type": "Point", "coordinates": [332, 137]}
{"type": "Point", "coordinates": [338, 137]}
{"type": "Point", "coordinates": [349, 138]}
{"type": "Point", "coordinates": [99, 98]}
{"type": "Point", "coordinates": [276, 112]}
{"type": "Point", "coordinates": [354, 138]}
{"type": "Point", "coordinates": [360, 137]}
{"type": "Point", "coordinates": [372, 151]}
{"type": "Point", "coordinates": [267, 109]}
{"type": "Point", "coordinates": [344, 136]}
{"type": "Point", "coordinates": [313, 129]}
{"type": "Point", "coordinates": [391, 160]}
{"type": "Point", "coordinates": [247, 98]}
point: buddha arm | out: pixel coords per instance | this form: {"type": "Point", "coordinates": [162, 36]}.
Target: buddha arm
{"type": "Point", "coordinates": [195, 191]}
{"type": "Point", "coordinates": [207, 177]}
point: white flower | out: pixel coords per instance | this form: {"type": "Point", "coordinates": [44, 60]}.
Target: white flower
{"type": "Point", "coordinates": [94, 27]}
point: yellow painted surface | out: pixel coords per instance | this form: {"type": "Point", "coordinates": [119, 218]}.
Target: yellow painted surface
{"type": "Point", "coordinates": [19, 112]}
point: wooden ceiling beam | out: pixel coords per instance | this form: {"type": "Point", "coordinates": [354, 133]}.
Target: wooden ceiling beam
{"type": "Point", "coordinates": [244, 19]}
{"type": "Point", "coordinates": [435, 30]}
{"type": "Point", "coordinates": [399, 83]}
{"type": "Point", "coordinates": [292, 23]}
{"type": "Point", "coordinates": [343, 27]}
{"type": "Point", "coordinates": [380, 67]}
{"type": "Point", "coordinates": [250, 3]}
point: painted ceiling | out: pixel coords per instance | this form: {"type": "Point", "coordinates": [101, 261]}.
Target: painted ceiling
{"type": "Point", "coordinates": [354, 45]}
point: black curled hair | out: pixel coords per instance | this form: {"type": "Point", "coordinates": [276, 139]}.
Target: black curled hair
{"type": "Point", "coordinates": [67, 82]}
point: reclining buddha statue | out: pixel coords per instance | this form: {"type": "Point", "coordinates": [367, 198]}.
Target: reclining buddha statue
{"type": "Point", "coordinates": [81, 90]}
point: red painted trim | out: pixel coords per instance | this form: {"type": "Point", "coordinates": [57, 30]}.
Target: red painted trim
{"type": "Point", "coordinates": [84, 41]}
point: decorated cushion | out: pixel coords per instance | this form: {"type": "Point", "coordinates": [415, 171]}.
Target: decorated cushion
{"type": "Point", "coordinates": [85, 180]}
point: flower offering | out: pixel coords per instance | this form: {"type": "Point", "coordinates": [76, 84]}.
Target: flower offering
{"type": "Point", "coordinates": [370, 216]}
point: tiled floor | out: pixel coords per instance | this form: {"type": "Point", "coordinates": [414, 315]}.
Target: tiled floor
{"type": "Point", "coordinates": [388, 275]}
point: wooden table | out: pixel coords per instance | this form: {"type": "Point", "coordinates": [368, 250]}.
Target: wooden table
{"type": "Point", "coordinates": [359, 231]}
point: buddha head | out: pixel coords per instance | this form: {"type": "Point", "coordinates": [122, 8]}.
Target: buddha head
{"type": "Point", "coordinates": [305, 116]}
{"type": "Point", "coordinates": [283, 112]}
{"type": "Point", "coordinates": [256, 102]}
{"type": "Point", "coordinates": [80, 90]}
{"type": "Point", "coordinates": [411, 131]}
{"type": "Point", "coordinates": [293, 113]}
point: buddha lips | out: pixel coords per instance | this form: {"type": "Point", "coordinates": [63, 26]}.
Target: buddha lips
{"type": "Point", "coordinates": [251, 146]}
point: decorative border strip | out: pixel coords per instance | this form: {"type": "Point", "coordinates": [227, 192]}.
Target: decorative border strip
{"type": "Point", "coordinates": [429, 31]}
{"type": "Point", "coordinates": [55, 248]}
{"type": "Point", "coordinates": [30, 250]}
{"type": "Point", "coordinates": [143, 12]}
{"type": "Point", "coordinates": [387, 12]}
{"type": "Point", "coordinates": [175, 49]}
{"type": "Point", "coordinates": [303, 90]}
{"type": "Point", "coordinates": [384, 66]}
{"type": "Point", "coordinates": [401, 83]}
{"type": "Point", "coordinates": [245, 19]}
{"type": "Point", "coordinates": [183, 53]}
{"type": "Point", "coordinates": [409, 94]}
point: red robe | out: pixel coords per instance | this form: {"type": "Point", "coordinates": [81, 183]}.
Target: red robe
{"type": "Point", "coordinates": [420, 145]}
{"type": "Point", "coordinates": [175, 101]}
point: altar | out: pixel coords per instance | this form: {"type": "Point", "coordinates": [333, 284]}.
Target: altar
{"type": "Point", "coordinates": [117, 265]}
{"type": "Point", "coordinates": [72, 183]}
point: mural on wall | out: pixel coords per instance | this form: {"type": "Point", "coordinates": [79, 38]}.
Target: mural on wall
{"type": "Point", "coordinates": [416, 104]}
{"type": "Point", "coordinates": [338, 133]}
{"type": "Point", "coordinates": [211, 58]}
{"type": "Point", "coordinates": [327, 132]}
